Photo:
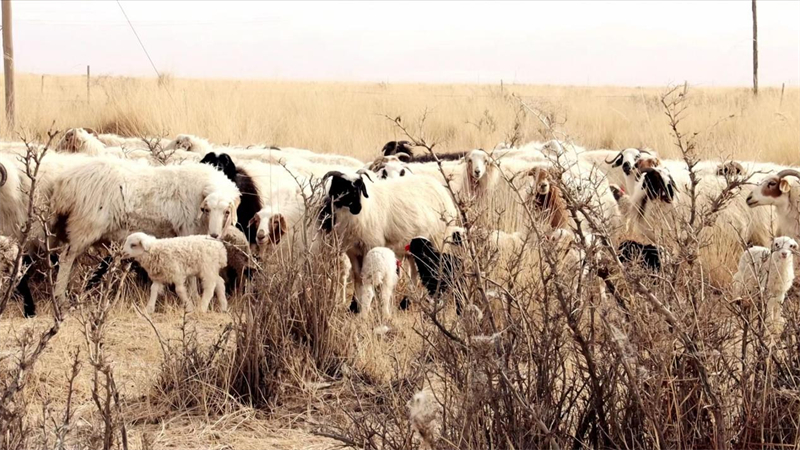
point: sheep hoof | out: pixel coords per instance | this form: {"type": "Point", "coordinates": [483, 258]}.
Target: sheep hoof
{"type": "Point", "coordinates": [354, 308]}
{"type": "Point", "coordinates": [405, 303]}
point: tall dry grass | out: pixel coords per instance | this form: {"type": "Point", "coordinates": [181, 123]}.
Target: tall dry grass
{"type": "Point", "coordinates": [669, 360]}
{"type": "Point", "coordinates": [348, 118]}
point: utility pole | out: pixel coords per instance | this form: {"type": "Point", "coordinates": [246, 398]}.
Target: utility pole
{"type": "Point", "coordinates": [8, 62]}
{"type": "Point", "coordinates": [755, 50]}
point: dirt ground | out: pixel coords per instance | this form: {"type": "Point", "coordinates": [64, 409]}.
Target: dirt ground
{"type": "Point", "coordinates": [135, 352]}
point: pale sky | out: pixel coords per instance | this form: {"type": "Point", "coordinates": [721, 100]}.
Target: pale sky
{"type": "Point", "coordinates": [568, 42]}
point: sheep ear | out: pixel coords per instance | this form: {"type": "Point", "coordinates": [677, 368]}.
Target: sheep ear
{"type": "Point", "coordinates": [277, 228]}
{"type": "Point", "coordinates": [254, 221]}
{"type": "Point", "coordinates": [91, 131]}
{"type": "Point", "coordinates": [617, 161]}
{"type": "Point", "coordinates": [784, 185]}
{"type": "Point", "coordinates": [405, 157]}
{"type": "Point", "coordinates": [362, 187]}
{"type": "Point", "coordinates": [147, 243]}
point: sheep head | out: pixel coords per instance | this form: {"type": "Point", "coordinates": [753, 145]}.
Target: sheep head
{"type": "Point", "coordinates": [394, 169]}
{"type": "Point", "coordinates": [345, 191]}
{"type": "Point", "coordinates": [221, 162]}
{"type": "Point", "coordinates": [398, 148]}
{"type": "Point", "coordinates": [659, 185]}
{"type": "Point", "coordinates": [219, 212]}
{"type": "Point", "coordinates": [271, 227]}
{"type": "Point", "coordinates": [730, 169]}
{"type": "Point", "coordinates": [784, 247]}
{"type": "Point", "coordinates": [773, 190]}
{"type": "Point", "coordinates": [137, 244]}
{"type": "Point", "coordinates": [477, 164]}
{"type": "Point", "coordinates": [627, 159]}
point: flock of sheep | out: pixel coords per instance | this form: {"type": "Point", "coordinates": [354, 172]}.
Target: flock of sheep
{"type": "Point", "coordinates": [187, 209]}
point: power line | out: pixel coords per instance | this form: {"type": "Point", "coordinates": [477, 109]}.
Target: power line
{"type": "Point", "coordinates": [138, 39]}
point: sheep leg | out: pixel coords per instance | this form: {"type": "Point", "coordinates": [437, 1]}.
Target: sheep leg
{"type": "Point", "coordinates": [366, 293]}
{"type": "Point", "coordinates": [386, 298]}
{"type": "Point", "coordinates": [180, 289]}
{"type": "Point", "coordinates": [209, 286]}
{"type": "Point", "coordinates": [66, 261]}
{"type": "Point", "coordinates": [193, 293]}
{"type": "Point", "coordinates": [23, 289]}
{"type": "Point", "coordinates": [220, 290]}
{"type": "Point", "coordinates": [155, 291]}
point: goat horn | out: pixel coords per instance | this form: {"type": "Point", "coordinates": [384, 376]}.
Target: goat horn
{"type": "Point", "coordinates": [3, 175]}
{"type": "Point", "coordinates": [789, 172]}
{"type": "Point", "coordinates": [645, 151]}
{"type": "Point", "coordinates": [615, 157]}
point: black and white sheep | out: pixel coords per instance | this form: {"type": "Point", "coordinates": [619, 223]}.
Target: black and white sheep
{"type": "Point", "coordinates": [388, 213]}
{"type": "Point", "coordinates": [175, 260]}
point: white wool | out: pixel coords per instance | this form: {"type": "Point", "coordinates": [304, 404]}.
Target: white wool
{"type": "Point", "coordinates": [424, 413]}
{"type": "Point", "coordinates": [175, 260]}
{"type": "Point", "coordinates": [379, 273]}
{"type": "Point", "coordinates": [8, 256]}
{"type": "Point", "coordinates": [395, 212]}
{"type": "Point", "coordinates": [107, 199]}
{"type": "Point", "coordinates": [769, 272]}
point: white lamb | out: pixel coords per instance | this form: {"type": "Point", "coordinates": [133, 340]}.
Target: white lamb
{"type": "Point", "coordinates": [174, 260]}
{"type": "Point", "coordinates": [770, 272]}
{"type": "Point", "coordinates": [106, 199]}
{"type": "Point", "coordinates": [381, 272]}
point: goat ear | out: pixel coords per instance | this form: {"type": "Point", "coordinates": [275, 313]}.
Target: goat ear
{"type": "Point", "coordinates": [277, 228]}
{"type": "Point", "coordinates": [784, 185]}
{"type": "Point", "coordinates": [617, 161]}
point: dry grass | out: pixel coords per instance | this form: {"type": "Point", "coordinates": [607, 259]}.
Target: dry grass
{"type": "Point", "coordinates": [359, 382]}
{"type": "Point", "coordinates": [349, 118]}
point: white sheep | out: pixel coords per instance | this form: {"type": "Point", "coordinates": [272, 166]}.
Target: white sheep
{"type": "Point", "coordinates": [174, 260]}
{"type": "Point", "coordinates": [394, 169]}
{"type": "Point", "coordinates": [381, 272]}
{"type": "Point", "coordinates": [769, 272]}
{"type": "Point", "coordinates": [424, 413]}
{"type": "Point", "coordinates": [107, 199]}
{"type": "Point", "coordinates": [782, 191]}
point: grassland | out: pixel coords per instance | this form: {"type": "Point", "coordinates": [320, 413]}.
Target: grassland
{"type": "Point", "coordinates": [348, 119]}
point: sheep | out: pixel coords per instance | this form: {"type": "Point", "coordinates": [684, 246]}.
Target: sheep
{"type": "Point", "coordinates": [385, 214]}
{"type": "Point", "coordinates": [768, 271]}
{"type": "Point", "coordinates": [783, 193]}
{"type": "Point", "coordinates": [547, 198]}
{"type": "Point", "coordinates": [402, 149]}
{"type": "Point", "coordinates": [424, 413]}
{"type": "Point", "coordinates": [394, 169]}
{"type": "Point", "coordinates": [174, 260]}
{"type": "Point", "coordinates": [105, 200]}
{"type": "Point", "coordinates": [381, 271]}
{"type": "Point", "coordinates": [240, 261]}
{"type": "Point", "coordinates": [273, 155]}
{"type": "Point", "coordinates": [8, 255]}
